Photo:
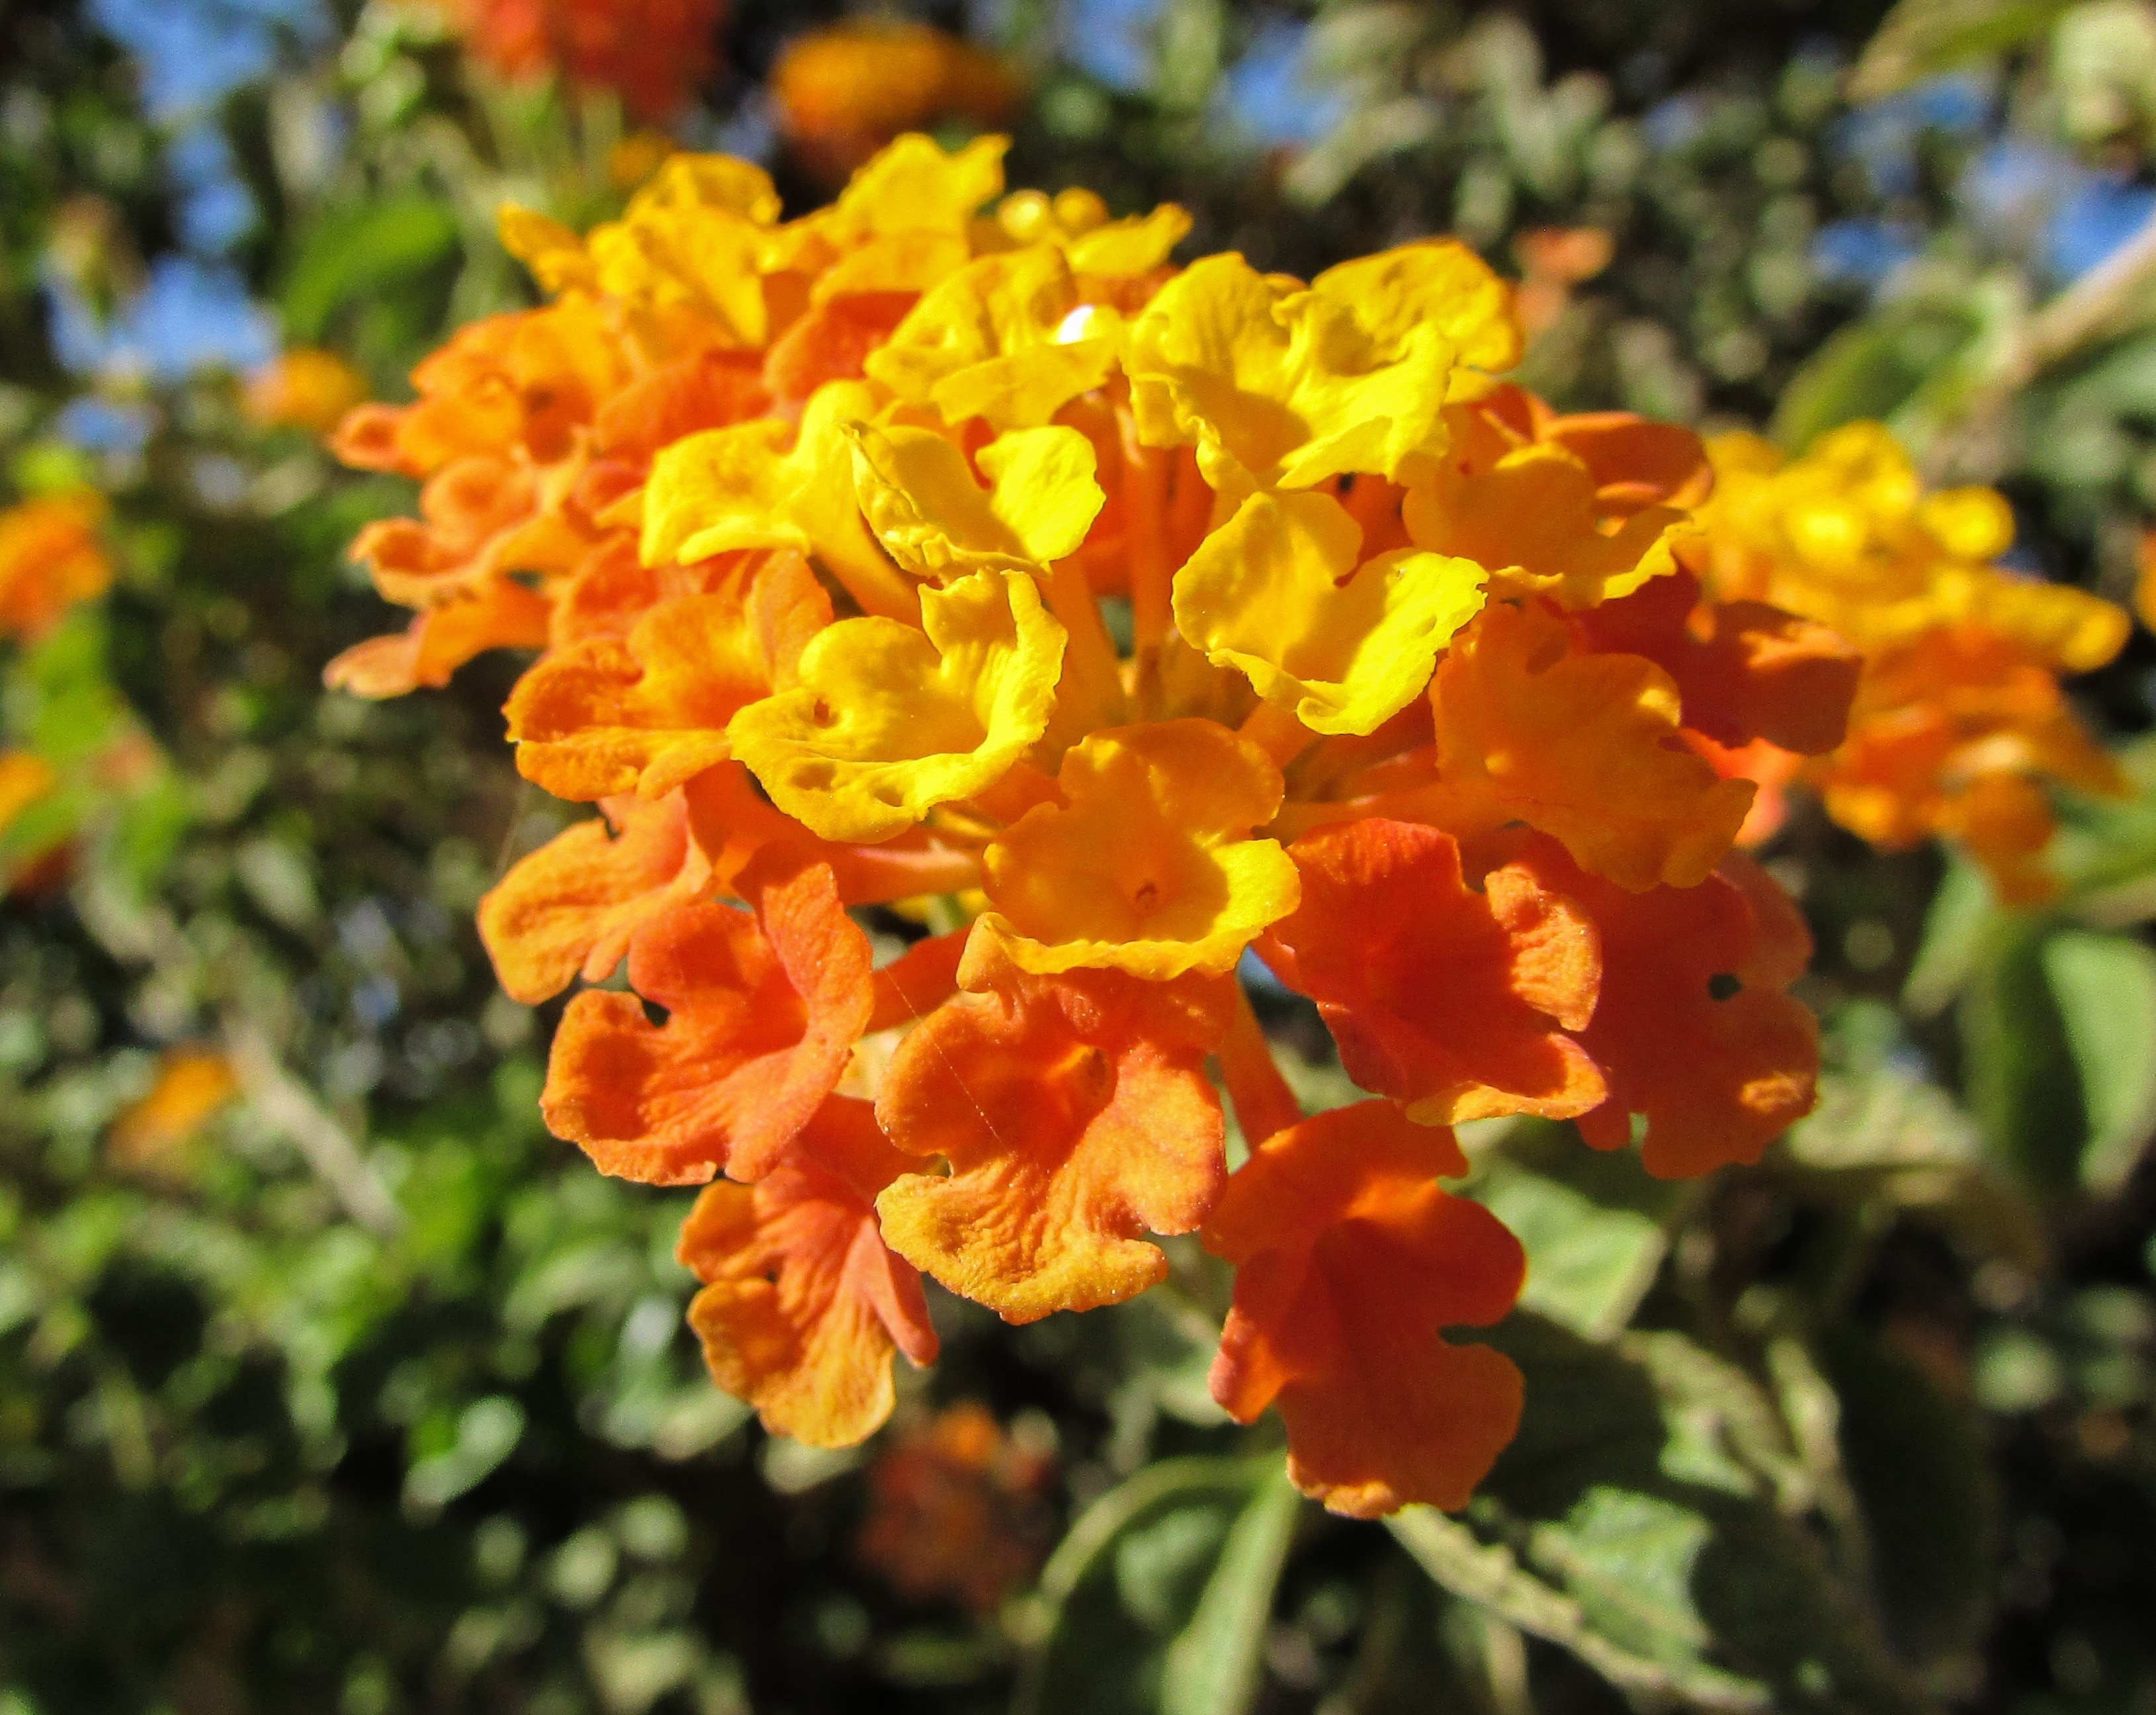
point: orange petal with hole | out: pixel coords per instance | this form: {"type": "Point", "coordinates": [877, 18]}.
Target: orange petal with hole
{"type": "Point", "coordinates": [569, 908]}
{"type": "Point", "coordinates": [1075, 1114]}
{"type": "Point", "coordinates": [803, 1304]}
{"type": "Point", "coordinates": [1349, 1261]}
{"type": "Point", "coordinates": [1452, 1000]}
{"type": "Point", "coordinates": [1694, 1029]}
{"type": "Point", "coordinates": [763, 1012]}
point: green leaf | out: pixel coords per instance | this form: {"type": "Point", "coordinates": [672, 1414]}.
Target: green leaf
{"type": "Point", "coordinates": [1961, 917]}
{"type": "Point", "coordinates": [1157, 1599]}
{"type": "Point", "coordinates": [1915, 1461]}
{"type": "Point", "coordinates": [1884, 1134]}
{"type": "Point", "coordinates": [1213, 1664]}
{"type": "Point", "coordinates": [2020, 1081]}
{"type": "Point", "coordinates": [358, 252]}
{"type": "Point", "coordinates": [1870, 369]}
{"type": "Point", "coordinates": [1650, 1517]}
{"type": "Point", "coordinates": [1919, 39]}
{"type": "Point", "coordinates": [1594, 1225]}
{"type": "Point", "coordinates": [2105, 988]}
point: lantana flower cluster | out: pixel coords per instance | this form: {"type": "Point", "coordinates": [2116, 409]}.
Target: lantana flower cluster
{"type": "Point", "coordinates": [955, 553]}
{"type": "Point", "coordinates": [1960, 722]}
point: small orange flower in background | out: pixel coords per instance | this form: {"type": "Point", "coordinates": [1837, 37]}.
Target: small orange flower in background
{"type": "Point", "coordinates": [1959, 721]}
{"type": "Point", "coordinates": [1553, 260]}
{"type": "Point", "coordinates": [844, 92]}
{"type": "Point", "coordinates": [304, 388]}
{"type": "Point", "coordinates": [653, 53]}
{"type": "Point", "coordinates": [24, 778]}
{"type": "Point", "coordinates": [956, 1510]}
{"type": "Point", "coordinates": [191, 1085]}
{"type": "Point", "coordinates": [50, 558]}
{"type": "Point", "coordinates": [952, 551]}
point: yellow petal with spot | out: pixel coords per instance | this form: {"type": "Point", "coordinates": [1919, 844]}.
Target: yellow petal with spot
{"type": "Point", "coordinates": [1276, 592]}
{"type": "Point", "coordinates": [887, 721]}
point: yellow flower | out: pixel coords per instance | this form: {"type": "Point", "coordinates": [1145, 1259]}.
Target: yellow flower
{"type": "Point", "coordinates": [742, 487]}
{"type": "Point", "coordinates": [1438, 282]}
{"type": "Point", "coordinates": [888, 721]}
{"type": "Point", "coordinates": [1278, 592]}
{"type": "Point", "coordinates": [1279, 385]}
{"type": "Point", "coordinates": [1148, 866]}
{"type": "Point", "coordinates": [936, 522]}
{"type": "Point", "coordinates": [1007, 338]}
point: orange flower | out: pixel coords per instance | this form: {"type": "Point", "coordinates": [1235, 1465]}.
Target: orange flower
{"type": "Point", "coordinates": [802, 1305]}
{"type": "Point", "coordinates": [1583, 746]}
{"type": "Point", "coordinates": [50, 558]}
{"type": "Point", "coordinates": [1556, 259]}
{"type": "Point", "coordinates": [844, 91]}
{"type": "Point", "coordinates": [955, 1510]}
{"type": "Point", "coordinates": [1349, 1259]}
{"type": "Point", "coordinates": [571, 907]}
{"type": "Point", "coordinates": [1952, 734]}
{"type": "Point", "coordinates": [1694, 1028]}
{"type": "Point", "coordinates": [1743, 670]}
{"type": "Point", "coordinates": [648, 714]}
{"type": "Point", "coordinates": [304, 388]}
{"type": "Point", "coordinates": [1075, 1113]}
{"type": "Point", "coordinates": [652, 53]}
{"type": "Point", "coordinates": [763, 1012]}
{"type": "Point", "coordinates": [1451, 999]}
{"type": "Point", "coordinates": [191, 1085]}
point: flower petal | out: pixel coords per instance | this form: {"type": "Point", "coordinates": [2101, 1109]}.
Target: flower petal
{"type": "Point", "coordinates": [1277, 591]}
{"type": "Point", "coordinates": [1450, 999]}
{"type": "Point", "coordinates": [763, 1012]}
{"type": "Point", "coordinates": [1149, 865]}
{"type": "Point", "coordinates": [1075, 1114]}
{"type": "Point", "coordinates": [803, 1304]}
{"type": "Point", "coordinates": [605, 717]}
{"type": "Point", "coordinates": [1583, 746]}
{"type": "Point", "coordinates": [569, 908]}
{"type": "Point", "coordinates": [1349, 1259]}
{"type": "Point", "coordinates": [888, 721]}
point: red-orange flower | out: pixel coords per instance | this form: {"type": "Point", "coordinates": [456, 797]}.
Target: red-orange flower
{"type": "Point", "coordinates": [955, 1510]}
{"type": "Point", "coordinates": [802, 1305]}
{"type": "Point", "coordinates": [763, 1012]}
{"type": "Point", "coordinates": [653, 53]}
{"type": "Point", "coordinates": [1349, 1261]}
{"type": "Point", "coordinates": [1694, 1029]}
{"type": "Point", "coordinates": [1453, 1000]}
{"type": "Point", "coordinates": [50, 558]}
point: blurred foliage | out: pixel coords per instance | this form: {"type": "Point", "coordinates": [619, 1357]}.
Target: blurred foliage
{"type": "Point", "coordinates": [366, 1396]}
